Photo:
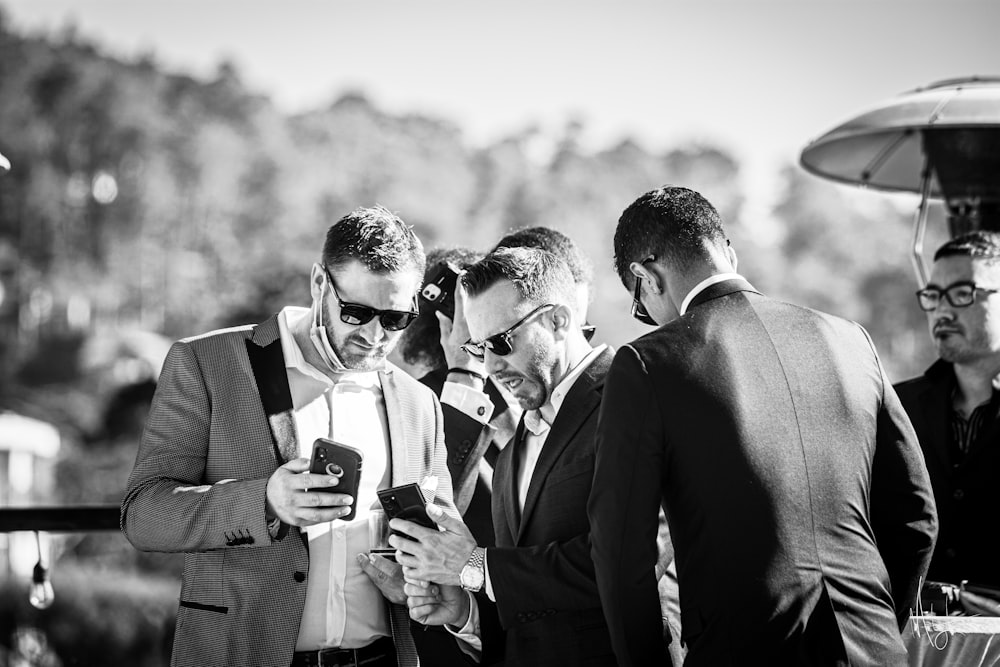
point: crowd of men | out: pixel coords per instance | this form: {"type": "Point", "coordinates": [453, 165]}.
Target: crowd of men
{"type": "Point", "coordinates": [742, 485]}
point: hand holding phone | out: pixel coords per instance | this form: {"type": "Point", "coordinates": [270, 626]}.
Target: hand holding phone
{"type": "Point", "coordinates": [439, 290]}
{"type": "Point", "coordinates": [406, 502]}
{"type": "Point", "coordinates": [341, 461]}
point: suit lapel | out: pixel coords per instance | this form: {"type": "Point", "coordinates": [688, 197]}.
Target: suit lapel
{"type": "Point", "coordinates": [396, 413]}
{"type": "Point", "coordinates": [583, 398]}
{"type": "Point", "coordinates": [268, 364]}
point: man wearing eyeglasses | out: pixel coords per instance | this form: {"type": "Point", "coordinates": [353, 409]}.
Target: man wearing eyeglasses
{"type": "Point", "coordinates": [523, 322]}
{"type": "Point", "coordinates": [799, 506]}
{"type": "Point", "coordinates": [954, 409]}
{"type": "Point", "coordinates": [274, 575]}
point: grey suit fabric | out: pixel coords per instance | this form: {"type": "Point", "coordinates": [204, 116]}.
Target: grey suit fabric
{"type": "Point", "coordinates": [220, 424]}
{"type": "Point", "coordinates": [798, 501]}
{"type": "Point", "coordinates": [541, 568]}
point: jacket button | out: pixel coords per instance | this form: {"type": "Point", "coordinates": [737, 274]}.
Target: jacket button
{"type": "Point", "coordinates": [950, 552]}
{"type": "Point", "coordinates": [521, 618]}
{"type": "Point", "coordinates": [959, 494]}
{"type": "Point", "coordinates": [481, 411]}
{"type": "Point", "coordinates": [299, 577]}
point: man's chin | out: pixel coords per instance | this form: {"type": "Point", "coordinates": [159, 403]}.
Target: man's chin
{"type": "Point", "coordinates": [365, 362]}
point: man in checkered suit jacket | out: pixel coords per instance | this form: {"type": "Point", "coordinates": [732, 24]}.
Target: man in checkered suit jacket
{"type": "Point", "coordinates": [272, 575]}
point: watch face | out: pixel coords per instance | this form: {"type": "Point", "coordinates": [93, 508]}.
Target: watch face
{"type": "Point", "coordinates": [472, 578]}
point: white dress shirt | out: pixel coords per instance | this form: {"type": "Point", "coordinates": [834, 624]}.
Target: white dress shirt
{"type": "Point", "coordinates": [343, 607]}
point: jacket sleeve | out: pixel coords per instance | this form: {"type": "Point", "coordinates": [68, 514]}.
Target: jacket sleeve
{"type": "Point", "coordinates": [466, 440]}
{"type": "Point", "coordinates": [624, 511]}
{"type": "Point", "coordinates": [167, 504]}
{"type": "Point", "coordinates": [903, 513]}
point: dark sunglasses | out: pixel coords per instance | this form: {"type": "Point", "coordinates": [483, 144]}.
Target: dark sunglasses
{"type": "Point", "coordinates": [500, 344]}
{"type": "Point", "coordinates": [639, 311]}
{"type": "Point", "coordinates": [960, 295]}
{"type": "Point", "coordinates": [358, 314]}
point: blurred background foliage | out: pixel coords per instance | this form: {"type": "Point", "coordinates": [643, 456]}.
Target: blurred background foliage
{"type": "Point", "coordinates": [146, 203]}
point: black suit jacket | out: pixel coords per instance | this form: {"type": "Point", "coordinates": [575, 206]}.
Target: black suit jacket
{"type": "Point", "coordinates": [541, 569]}
{"type": "Point", "coordinates": [967, 492]}
{"type": "Point", "coordinates": [798, 501]}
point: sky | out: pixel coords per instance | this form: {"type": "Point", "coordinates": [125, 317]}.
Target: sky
{"type": "Point", "coordinates": [760, 79]}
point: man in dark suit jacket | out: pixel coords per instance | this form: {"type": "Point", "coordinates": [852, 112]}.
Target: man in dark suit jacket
{"type": "Point", "coordinates": [272, 576]}
{"type": "Point", "coordinates": [797, 498]}
{"type": "Point", "coordinates": [521, 315]}
{"type": "Point", "coordinates": [955, 409]}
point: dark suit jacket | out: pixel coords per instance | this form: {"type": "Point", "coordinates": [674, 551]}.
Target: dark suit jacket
{"type": "Point", "coordinates": [798, 501]}
{"type": "Point", "coordinates": [541, 568]}
{"type": "Point", "coordinates": [467, 441]}
{"type": "Point", "coordinates": [221, 422]}
{"type": "Point", "coordinates": [967, 492]}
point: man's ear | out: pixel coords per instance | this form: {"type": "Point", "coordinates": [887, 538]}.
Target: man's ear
{"type": "Point", "coordinates": [562, 319]}
{"type": "Point", "coordinates": [731, 252]}
{"type": "Point", "coordinates": [316, 278]}
{"type": "Point", "coordinates": [651, 279]}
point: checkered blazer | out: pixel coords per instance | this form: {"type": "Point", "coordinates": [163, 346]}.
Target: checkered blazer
{"type": "Point", "coordinates": [219, 424]}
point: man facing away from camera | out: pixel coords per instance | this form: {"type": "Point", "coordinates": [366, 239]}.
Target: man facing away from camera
{"type": "Point", "coordinates": [522, 318]}
{"type": "Point", "coordinates": [954, 408]}
{"type": "Point", "coordinates": [273, 575]}
{"type": "Point", "coordinates": [798, 502]}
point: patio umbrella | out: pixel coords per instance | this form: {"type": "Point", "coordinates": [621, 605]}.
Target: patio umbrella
{"type": "Point", "coordinates": [942, 141]}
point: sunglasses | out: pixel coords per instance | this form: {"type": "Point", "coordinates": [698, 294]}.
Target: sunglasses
{"type": "Point", "coordinates": [358, 314]}
{"type": "Point", "coordinates": [500, 344]}
{"type": "Point", "coordinates": [639, 311]}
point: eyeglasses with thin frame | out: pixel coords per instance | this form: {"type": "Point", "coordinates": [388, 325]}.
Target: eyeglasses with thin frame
{"type": "Point", "coordinates": [359, 314]}
{"type": "Point", "coordinates": [639, 311]}
{"type": "Point", "coordinates": [960, 295]}
{"type": "Point", "coordinates": [500, 344]}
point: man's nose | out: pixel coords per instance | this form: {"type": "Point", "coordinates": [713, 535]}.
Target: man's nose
{"type": "Point", "coordinates": [373, 332]}
{"type": "Point", "coordinates": [494, 362]}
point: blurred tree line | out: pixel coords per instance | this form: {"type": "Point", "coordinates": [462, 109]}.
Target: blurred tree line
{"type": "Point", "coordinates": [142, 199]}
{"type": "Point", "coordinates": [150, 200]}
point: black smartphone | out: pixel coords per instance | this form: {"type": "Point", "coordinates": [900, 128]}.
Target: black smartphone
{"type": "Point", "coordinates": [439, 290]}
{"type": "Point", "coordinates": [406, 502]}
{"type": "Point", "coordinates": [343, 462]}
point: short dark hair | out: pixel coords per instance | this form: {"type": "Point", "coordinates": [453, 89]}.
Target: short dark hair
{"type": "Point", "coordinates": [539, 276]}
{"type": "Point", "coordinates": [421, 341]}
{"type": "Point", "coordinates": [555, 242]}
{"type": "Point", "coordinates": [977, 245]}
{"type": "Point", "coordinates": [673, 223]}
{"type": "Point", "coordinates": [377, 238]}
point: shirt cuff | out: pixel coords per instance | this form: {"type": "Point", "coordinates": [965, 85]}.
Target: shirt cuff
{"type": "Point", "coordinates": [469, 401]}
{"type": "Point", "coordinates": [469, 634]}
{"type": "Point", "coordinates": [486, 569]}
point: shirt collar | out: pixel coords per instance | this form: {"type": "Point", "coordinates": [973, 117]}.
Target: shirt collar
{"type": "Point", "coordinates": [705, 284]}
{"type": "Point", "coordinates": [538, 421]}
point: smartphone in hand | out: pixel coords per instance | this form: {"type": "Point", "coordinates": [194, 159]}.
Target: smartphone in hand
{"type": "Point", "coordinates": [343, 462]}
{"type": "Point", "coordinates": [406, 502]}
{"type": "Point", "coordinates": [438, 291]}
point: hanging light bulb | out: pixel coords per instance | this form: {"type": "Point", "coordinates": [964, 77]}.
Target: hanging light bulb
{"type": "Point", "coordinates": [41, 595]}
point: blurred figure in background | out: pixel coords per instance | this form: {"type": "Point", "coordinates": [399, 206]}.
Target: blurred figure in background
{"type": "Point", "coordinates": [954, 408]}
{"type": "Point", "coordinates": [271, 577]}
{"type": "Point", "coordinates": [799, 504]}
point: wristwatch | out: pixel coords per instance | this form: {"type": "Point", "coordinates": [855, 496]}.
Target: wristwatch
{"type": "Point", "coordinates": [473, 574]}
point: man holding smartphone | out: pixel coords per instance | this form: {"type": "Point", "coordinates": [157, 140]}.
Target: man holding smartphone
{"type": "Point", "coordinates": [524, 325]}
{"type": "Point", "coordinates": [273, 573]}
